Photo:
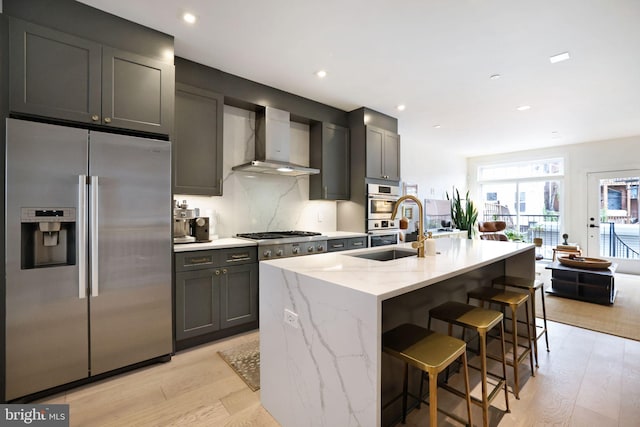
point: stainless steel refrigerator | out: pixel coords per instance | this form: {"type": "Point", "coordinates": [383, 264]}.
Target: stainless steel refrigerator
{"type": "Point", "coordinates": [88, 254]}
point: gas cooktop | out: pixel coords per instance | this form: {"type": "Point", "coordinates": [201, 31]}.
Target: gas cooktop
{"type": "Point", "coordinates": [283, 244]}
{"type": "Point", "coordinates": [277, 234]}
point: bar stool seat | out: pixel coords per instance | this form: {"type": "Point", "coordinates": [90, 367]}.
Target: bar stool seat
{"type": "Point", "coordinates": [430, 352]}
{"type": "Point", "coordinates": [481, 321]}
{"type": "Point", "coordinates": [530, 285]}
{"type": "Point", "coordinates": [513, 300]}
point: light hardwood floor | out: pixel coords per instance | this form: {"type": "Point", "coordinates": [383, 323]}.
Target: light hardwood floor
{"type": "Point", "coordinates": [588, 379]}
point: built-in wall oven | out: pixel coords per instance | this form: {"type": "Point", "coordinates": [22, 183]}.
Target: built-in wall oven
{"type": "Point", "coordinates": [380, 200]}
{"type": "Point", "coordinates": [382, 229]}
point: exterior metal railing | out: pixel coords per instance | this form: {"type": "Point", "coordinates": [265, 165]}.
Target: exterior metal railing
{"type": "Point", "coordinates": [612, 243]}
{"type": "Point", "coordinates": [528, 227]}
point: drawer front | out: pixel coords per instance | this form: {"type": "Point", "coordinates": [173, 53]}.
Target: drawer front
{"type": "Point", "coordinates": [335, 245]}
{"type": "Point", "coordinates": [236, 256]}
{"type": "Point", "coordinates": [195, 260]}
{"type": "Point", "coordinates": [357, 243]}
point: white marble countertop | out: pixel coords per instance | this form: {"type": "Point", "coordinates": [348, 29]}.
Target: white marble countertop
{"type": "Point", "coordinates": [233, 242]}
{"type": "Point", "coordinates": [343, 234]}
{"type": "Point", "coordinates": [387, 279]}
{"type": "Point", "coordinates": [230, 242]}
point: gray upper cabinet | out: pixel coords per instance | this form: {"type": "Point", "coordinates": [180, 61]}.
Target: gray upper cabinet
{"type": "Point", "coordinates": [54, 74]}
{"type": "Point", "coordinates": [329, 151]}
{"type": "Point", "coordinates": [197, 144]}
{"type": "Point", "coordinates": [382, 154]}
{"type": "Point", "coordinates": [61, 76]}
{"type": "Point", "coordinates": [137, 91]}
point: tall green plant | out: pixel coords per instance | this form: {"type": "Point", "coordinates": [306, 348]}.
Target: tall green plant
{"type": "Point", "coordinates": [464, 217]}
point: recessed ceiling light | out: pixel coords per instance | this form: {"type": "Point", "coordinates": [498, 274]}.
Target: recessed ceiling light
{"type": "Point", "coordinates": [189, 17]}
{"type": "Point", "coordinates": [401, 107]}
{"type": "Point", "coordinates": [437, 126]}
{"type": "Point", "coordinates": [322, 74]}
{"type": "Point", "coordinates": [559, 57]}
{"type": "Point", "coordinates": [495, 76]}
{"type": "Point", "coordinates": [523, 107]}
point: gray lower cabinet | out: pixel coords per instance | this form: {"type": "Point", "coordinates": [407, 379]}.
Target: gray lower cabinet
{"type": "Point", "coordinates": [57, 75]}
{"type": "Point", "coordinates": [216, 293]}
{"type": "Point", "coordinates": [329, 151]}
{"type": "Point", "coordinates": [197, 143]}
{"type": "Point", "coordinates": [197, 303]}
{"type": "Point", "coordinates": [238, 295]}
{"type": "Point", "coordinates": [383, 154]}
{"type": "Point", "coordinates": [335, 245]}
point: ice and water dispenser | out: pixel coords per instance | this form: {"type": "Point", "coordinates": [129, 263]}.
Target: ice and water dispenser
{"type": "Point", "coordinates": [48, 237]}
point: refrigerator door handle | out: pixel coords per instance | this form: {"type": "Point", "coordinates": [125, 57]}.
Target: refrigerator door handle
{"type": "Point", "coordinates": [93, 207]}
{"type": "Point", "coordinates": [82, 236]}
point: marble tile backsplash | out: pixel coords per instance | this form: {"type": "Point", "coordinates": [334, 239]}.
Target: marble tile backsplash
{"type": "Point", "coordinates": [260, 202]}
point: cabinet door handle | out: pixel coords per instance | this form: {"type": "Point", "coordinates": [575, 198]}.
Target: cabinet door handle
{"type": "Point", "coordinates": [326, 191]}
{"type": "Point", "coordinates": [357, 243]}
{"type": "Point", "coordinates": [224, 271]}
{"type": "Point", "coordinates": [217, 272]}
{"type": "Point", "coordinates": [95, 117]}
{"type": "Point", "coordinates": [107, 119]}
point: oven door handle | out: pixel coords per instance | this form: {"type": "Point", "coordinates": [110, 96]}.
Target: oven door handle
{"type": "Point", "coordinates": [384, 197]}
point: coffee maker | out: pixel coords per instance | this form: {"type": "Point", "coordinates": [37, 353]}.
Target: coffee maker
{"type": "Point", "coordinates": [182, 218]}
{"type": "Point", "coordinates": [200, 229]}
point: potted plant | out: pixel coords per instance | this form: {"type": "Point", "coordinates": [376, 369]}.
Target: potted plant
{"type": "Point", "coordinates": [464, 214]}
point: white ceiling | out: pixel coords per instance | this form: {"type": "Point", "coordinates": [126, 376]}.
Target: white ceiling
{"type": "Point", "coordinates": [434, 56]}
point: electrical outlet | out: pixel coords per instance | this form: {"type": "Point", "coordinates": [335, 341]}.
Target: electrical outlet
{"type": "Point", "coordinates": [291, 318]}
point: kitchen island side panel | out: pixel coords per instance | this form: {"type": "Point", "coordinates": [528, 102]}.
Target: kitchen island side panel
{"type": "Point", "coordinates": [325, 371]}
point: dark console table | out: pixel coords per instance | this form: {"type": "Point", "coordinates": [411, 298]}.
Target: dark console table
{"type": "Point", "coordinates": [583, 284]}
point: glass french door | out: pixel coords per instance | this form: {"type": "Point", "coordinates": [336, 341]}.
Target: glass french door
{"type": "Point", "coordinates": [613, 220]}
{"type": "Point", "coordinates": [531, 209]}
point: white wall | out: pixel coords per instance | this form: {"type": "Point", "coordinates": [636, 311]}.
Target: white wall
{"type": "Point", "coordinates": [580, 159]}
{"type": "Point", "coordinates": [259, 202]}
{"type": "Point", "coordinates": [434, 170]}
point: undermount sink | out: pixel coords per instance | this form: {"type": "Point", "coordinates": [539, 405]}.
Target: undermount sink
{"type": "Point", "coordinates": [386, 255]}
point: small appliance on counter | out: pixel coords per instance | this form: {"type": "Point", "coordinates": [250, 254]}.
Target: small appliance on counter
{"type": "Point", "coordinates": [182, 218]}
{"type": "Point", "coordinates": [200, 229]}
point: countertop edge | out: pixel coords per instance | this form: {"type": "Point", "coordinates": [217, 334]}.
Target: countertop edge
{"type": "Point", "coordinates": [214, 244]}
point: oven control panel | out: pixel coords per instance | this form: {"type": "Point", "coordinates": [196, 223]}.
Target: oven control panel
{"type": "Point", "coordinates": [382, 224]}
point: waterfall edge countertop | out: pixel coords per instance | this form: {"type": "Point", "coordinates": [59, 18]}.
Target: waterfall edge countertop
{"type": "Point", "coordinates": [322, 319]}
{"type": "Point", "coordinates": [386, 279]}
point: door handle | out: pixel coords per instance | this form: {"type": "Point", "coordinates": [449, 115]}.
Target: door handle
{"type": "Point", "coordinates": [93, 202]}
{"type": "Point", "coordinates": [593, 226]}
{"type": "Point", "coordinates": [81, 223]}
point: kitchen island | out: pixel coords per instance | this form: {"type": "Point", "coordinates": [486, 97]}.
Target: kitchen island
{"type": "Point", "coordinates": [322, 318]}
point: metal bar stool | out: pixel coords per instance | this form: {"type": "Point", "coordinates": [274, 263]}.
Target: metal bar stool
{"type": "Point", "coordinates": [530, 285]}
{"type": "Point", "coordinates": [481, 321]}
{"type": "Point", "coordinates": [512, 300]}
{"type": "Point", "coordinates": [432, 353]}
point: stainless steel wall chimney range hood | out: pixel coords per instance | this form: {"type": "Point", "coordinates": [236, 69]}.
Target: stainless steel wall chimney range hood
{"type": "Point", "coordinates": [272, 146]}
